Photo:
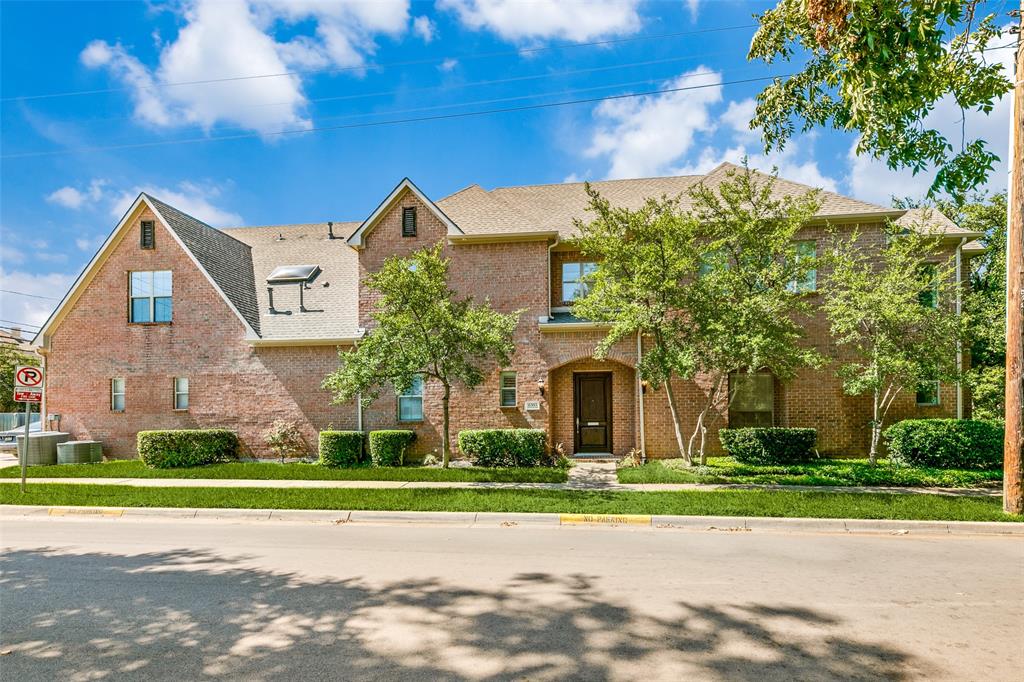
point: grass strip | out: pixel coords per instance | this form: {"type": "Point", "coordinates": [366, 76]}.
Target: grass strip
{"type": "Point", "coordinates": [296, 471]}
{"type": "Point", "coordinates": [717, 503]}
{"type": "Point", "coordinates": [839, 472]}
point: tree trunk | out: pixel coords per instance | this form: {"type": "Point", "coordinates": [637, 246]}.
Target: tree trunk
{"type": "Point", "coordinates": [876, 429]}
{"type": "Point", "coordinates": [675, 422]}
{"type": "Point", "coordinates": [445, 444]}
{"type": "Point", "coordinates": [1013, 463]}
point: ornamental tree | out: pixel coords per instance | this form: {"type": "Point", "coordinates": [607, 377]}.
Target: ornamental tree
{"type": "Point", "coordinates": [894, 318]}
{"type": "Point", "coordinates": [878, 68]}
{"type": "Point", "coordinates": [422, 329]}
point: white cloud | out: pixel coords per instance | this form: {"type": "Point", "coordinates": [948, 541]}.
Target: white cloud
{"type": "Point", "coordinates": [448, 65]}
{"type": "Point", "coordinates": [424, 28]}
{"type": "Point", "coordinates": [872, 180]}
{"type": "Point", "coordinates": [693, 7]}
{"type": "Point", "coordinates": [88, 244]}
{"type": "Point", "coordinates": [28, 310]}
{"type": "Point", "coordinates": [229, 38]}
{"type": "Point", "coordinates": [74, 198]}
{"type": "Point", "coordinates": [575, 20]}
{"type": "Point", "coordinates": [194, 199]}
{"type": "Point", "coordinates": [644, 135]}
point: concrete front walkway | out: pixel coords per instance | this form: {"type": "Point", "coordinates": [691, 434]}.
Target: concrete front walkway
{"type": "Point", "coordinates": [584, 476]}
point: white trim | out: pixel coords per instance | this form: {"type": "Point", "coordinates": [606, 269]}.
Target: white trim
{"type": "Point", "coordinates": [336, 341]}
{"type": "Point", "coordinates": [573, 326]}
{"type": "Point", "coordinates": [356, 240]}
{"type": "Point", "coordinates": [501, 237]}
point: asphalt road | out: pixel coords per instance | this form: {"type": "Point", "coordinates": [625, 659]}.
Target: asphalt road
{"type": "Point", "coordinates": [188, 600]}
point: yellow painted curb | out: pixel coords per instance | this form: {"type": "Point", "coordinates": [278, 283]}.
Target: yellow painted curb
{"type": "Point", "coordinates": [93, 512]}
{"type": "Point", "coordinates": [610, 519]}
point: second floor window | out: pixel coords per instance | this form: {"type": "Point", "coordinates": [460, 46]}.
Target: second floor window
{"type": "Point", "coordinates": [574, 284]}
{"type": "Point", "coordinates": [150, 296]}
{"type": "Point", "coordinates": [929, 295]}
{"type": "Point", "coordinates": [410, 402]}
{"type": "Point", "coordinates": [805, 250]}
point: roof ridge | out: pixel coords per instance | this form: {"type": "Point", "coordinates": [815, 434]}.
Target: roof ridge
{"type": "Point", "coordinates": [280, 225]}
{"type": "Point", "coordinates": [192, 217]}
{"type": "Point", "coordinates": [460, 191]}
{"type": "Point", "coordinates": [594, 182]}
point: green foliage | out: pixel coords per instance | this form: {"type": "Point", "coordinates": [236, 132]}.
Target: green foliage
{"type": "Point", "coordinates": [422, 329]}
{"type": "Point", "coordinates": [341, 448]}
{"type": "Point", "coordinates": [504, 447]}
{"type": "Point", "coordinates": [285, 439]}
{"type": "Point", "coordinates": [873, 303]}
{"type": "Point", "coordinates": [10, 357]}
{"type": "Point", "coordinates": [769, 445]}
{"type": "Point", "coordinates": [388, 446]}
{"type": "Point", "coordinates": [949, 443]}
{"type": "Point", "coordinates": [988, 391]}
{"type": "Point", "coordinates": [879, 68]}
{"type": "Point", "coordinates": [710, 288]}
{"type": "Point", "coordinates": [186, 447]}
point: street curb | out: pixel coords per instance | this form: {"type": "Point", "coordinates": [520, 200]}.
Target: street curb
{"type": "Point", "coordinates": [501, 519]}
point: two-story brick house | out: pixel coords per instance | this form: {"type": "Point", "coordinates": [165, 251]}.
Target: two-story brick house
{"type": "Point", "coordinates": [175, 324]}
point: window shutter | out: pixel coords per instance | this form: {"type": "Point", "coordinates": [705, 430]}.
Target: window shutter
{"type": "Point", "coordinates": [409, 221]}
{"type": "Point", "coordinates": [147, 236]}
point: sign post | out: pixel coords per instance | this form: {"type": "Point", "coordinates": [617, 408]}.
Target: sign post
{"type": "Point", "coordinates": [28, 388]}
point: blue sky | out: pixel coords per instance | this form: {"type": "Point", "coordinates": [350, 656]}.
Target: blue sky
{"type": "Point", "coordinates": [362, 62]}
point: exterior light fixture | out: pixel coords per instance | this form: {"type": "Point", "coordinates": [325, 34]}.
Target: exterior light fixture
{"type": "Point", "coordinates": [540, 386]}
{"type": "Point", "coordinates": [643, 386]}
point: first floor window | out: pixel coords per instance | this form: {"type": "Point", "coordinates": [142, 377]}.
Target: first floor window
{"type": "Point", "coordinates": [410, 401]}
{"type": "Point", "coordinates": [508, 389]}
{"type": "Point", "coordinates": [181, 393]}
{"type": "Point", "coordinates": [117, 395]}
{"type": "Point", "coordinates": [805, 250]}
{"type": "Point", "coordinates": [928, 393]}
{"type": "Point", "coordinates": [150, 296]}
{"type": "Point", "coordinates": [574, 280]}
{"type": "Point", "coordinates": [753, 402]}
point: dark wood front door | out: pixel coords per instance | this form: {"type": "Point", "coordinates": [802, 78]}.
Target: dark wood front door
{"type": "Point", "coordinates": [592, 393]}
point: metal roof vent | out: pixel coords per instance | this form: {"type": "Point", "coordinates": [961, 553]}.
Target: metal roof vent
{"type": "Point", "coordinates": [293, 274]}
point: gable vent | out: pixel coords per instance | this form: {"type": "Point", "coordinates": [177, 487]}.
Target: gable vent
{"type": "Point", "coordinates": [147, 235]}
{"type": "Point", "coordinates": [409, 221]}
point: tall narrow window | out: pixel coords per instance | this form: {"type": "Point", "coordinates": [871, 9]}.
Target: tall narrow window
{"type": "Point", "coordinates": [805, 250]}
{"type": "Point", "coordinates": [929, 296]}
{"type": "Point", "coordinates": [147, 235]}
{"type": "Point", "coordinates": [508, 389]}
{"type": "Point", "coordinates": [753, 402]}
{"type": "Point", "coordinates": [928, 393]}
{"type": "Point", "coordinates": [574, 280]}
{"type": "Point", "coordinates": [181, 393]}
{"type": "Point", "coordinates": [410, 402]}
{"type": "Point", "coordinates": [117, 395]}
{"type": "Point", "coordinates": [409, 221]}
{"type": "Point", "coordinates": [151, 296]}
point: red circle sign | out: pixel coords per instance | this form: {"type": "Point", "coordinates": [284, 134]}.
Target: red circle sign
{"type": "Point", "coordinates": [29, 377]}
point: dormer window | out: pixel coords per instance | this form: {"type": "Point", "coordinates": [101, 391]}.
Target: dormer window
{"type": "Point", "coordinates": [409, 221]}
{"type": "Point", "coordinates": [147, 235]}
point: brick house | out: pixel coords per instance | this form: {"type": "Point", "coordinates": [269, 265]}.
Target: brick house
{"type": "Point", "coordinates": [175, 324]}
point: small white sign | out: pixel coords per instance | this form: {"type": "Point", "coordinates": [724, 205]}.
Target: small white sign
{"type": "Point", "coordinates": [532, 405]}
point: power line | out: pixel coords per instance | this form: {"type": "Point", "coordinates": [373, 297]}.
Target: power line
{"type": "Point", "coordinates": [374, 124]}
{"type": "Point", "coordinates": [21, 325]}
{"type": "Point", "coordinates": [22, 293]}
{"type": "Point", "coordinates": [364, 67]}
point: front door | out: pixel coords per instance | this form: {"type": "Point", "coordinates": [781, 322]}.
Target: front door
{"type": "Point", "coordinates": [593, 411]}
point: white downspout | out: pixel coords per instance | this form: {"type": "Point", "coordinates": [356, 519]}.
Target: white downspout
{"type": "Point", "coordinates": [640, 395]}
{"type": "Point", "coordinates": [959, 344]}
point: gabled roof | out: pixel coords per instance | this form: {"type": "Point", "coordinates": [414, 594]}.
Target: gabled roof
{"type": "Point", "coordinates": [933, 220]}
{"type": "Point", "coordinates": [225, 259]}
{"type": "Point", "coordinates": [356, 240]}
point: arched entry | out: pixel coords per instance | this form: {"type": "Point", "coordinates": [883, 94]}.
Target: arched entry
{"type": "Point", "coordinates": [593, 407]}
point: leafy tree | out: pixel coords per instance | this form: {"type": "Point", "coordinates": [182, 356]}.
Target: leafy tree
{"type": "Point", "coordinates": [892, 314]}
{"type": "Point", "coordinates": [879, 68]}
{"type": "Point", "coordinates": [727, 311]}
{"type": "Point", "coordinates": [422, 329]}
{"type": "Point", "coordinates": [10, 357]}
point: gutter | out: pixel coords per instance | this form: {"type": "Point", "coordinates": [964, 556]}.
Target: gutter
{"type": "Point", "coordinates": [640, 395]}
{"type": "Point", "coordinates": [337, 341]}
{"type": "Point", "coordinates": [573, 326]}
{"type": "Point", "coordinates": [492, 237]}
{"type": "Point", "coordinates": [959, 343]}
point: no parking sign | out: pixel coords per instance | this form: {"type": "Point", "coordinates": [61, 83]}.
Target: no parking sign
{"type": "Point", "coordinates": [28, 385]}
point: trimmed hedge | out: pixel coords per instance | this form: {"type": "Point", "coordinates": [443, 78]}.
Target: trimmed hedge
{"type": "Point", "coordinates": [504, 447]}
{"type": "Point", "coordinates": [341, 448]}
{"type": "Point", "coordinates": [387, 447]}
{"type": "Point", "coordinates": [186, 447]}
{"type": "Point", "coordinates": [947, 443]}
{"type": "Point", "coordinates": [760, 445]}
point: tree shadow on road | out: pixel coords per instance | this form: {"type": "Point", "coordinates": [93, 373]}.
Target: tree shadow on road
{"type": "Point", "coordinates": [189, 615]}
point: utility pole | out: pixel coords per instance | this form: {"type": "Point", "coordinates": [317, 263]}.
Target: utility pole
{"type": "Point", "coordinates": [1013, 466]}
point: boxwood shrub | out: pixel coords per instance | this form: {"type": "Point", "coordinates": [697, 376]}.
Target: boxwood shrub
{"type": "Point", "coordinates": [186, 447]}
{"type": "Point", "coordinates": [504, 447]}
{"type": "Point", "coordinates": [341, 448]}
{"type": "Point", "coordinates": [946, 443]}
{"type": "Point", "coordinates": [760, 445]}
{"type": "Point", "coordinates": [387, 447]}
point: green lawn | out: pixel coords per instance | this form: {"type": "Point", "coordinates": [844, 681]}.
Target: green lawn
{"type": "Point", "coordinates": [275, 471]}
{"type": "Point", "coordinates": [823, 472]}
{"type": "Point", "coordinates": [714, 502]}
